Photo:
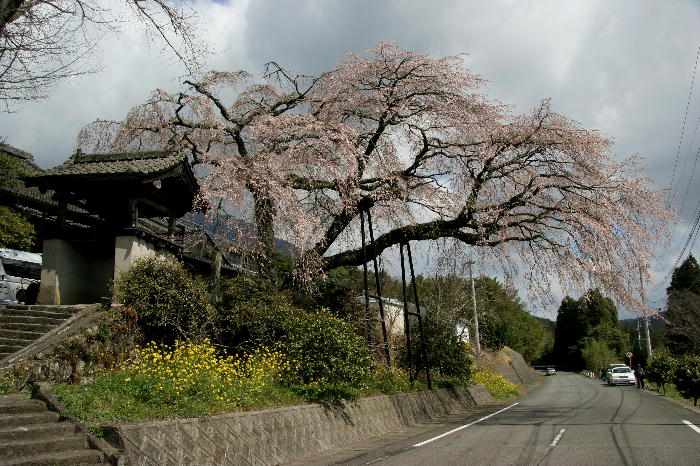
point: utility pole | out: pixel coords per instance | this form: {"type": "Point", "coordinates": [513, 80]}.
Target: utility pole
{"type": "Point", "coordinates": [476, 316]}
{"type": "Point", "coordinates": [645, 322]}
{"type": "Point", "coordinates": [646, 333]}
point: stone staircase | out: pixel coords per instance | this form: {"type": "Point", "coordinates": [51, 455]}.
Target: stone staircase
{"type": "Point", "coordinates": [30, 434]}
{"type": "Point", "coordinates": [20, 325]}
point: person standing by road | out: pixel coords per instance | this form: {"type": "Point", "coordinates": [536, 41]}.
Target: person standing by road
{"type": "Point", "coordinates": [639, 374]}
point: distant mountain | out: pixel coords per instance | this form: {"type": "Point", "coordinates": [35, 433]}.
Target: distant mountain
{"type": "Point", "coordinates": [546, 322]}
{"type": "Point", "coordinates": [655, 324]}
{"type": "Point", "coordinates": [247, 229]}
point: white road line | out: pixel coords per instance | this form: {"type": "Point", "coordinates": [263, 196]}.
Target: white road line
{"type": "Point", "coordinates": [378, 459]}
{"type": "Point", "coordinates": [462, 427]}
{"type": "Point", "coordinates": [557, 438]}
{"type": "Point", "coordinates": [690, 424]}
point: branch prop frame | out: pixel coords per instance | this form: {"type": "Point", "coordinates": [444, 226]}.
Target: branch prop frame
{"type": "Point", "coordinates": [380, 300]}
{"type": "Point", "coordinates": [417, 314]}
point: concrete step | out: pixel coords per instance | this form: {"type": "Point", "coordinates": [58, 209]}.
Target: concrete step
{"type": "Point", "coordinates": [67, 458]}
{"type": "Point", "coordinates": [10, 319]}
{"type": "Point", "coordinates": [10, 348]}
{"type": "Point", "coordinates": [19, 447]}
{"type": "Point", "coordinates": [23, 327]}
{"type": "Point", "coordinates": [57, 314]}
{"type": "Point", "coordinates": [30, 434]}
{"type": "Point", "coordinates": [21, 407]}
{"type": "Point", "coordinates": [15, 341]}
{"type": "Point", "coordinates": [19, 334]}
{"type": "Point", "coordinates": [27, 419]}
{"type": "Point", "coordinates": [14, 397]}
{"type": "Point", "coordinates": [36, 431]}
{"type": "Point", "coordinates": [45, 307]}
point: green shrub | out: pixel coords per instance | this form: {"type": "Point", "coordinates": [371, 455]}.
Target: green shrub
{"type": "Point", "coordinates": [326, 350]}
{"type": "Point", "coordinates": [596, 353]}
{"type": "Point", "coordinates": [687, 377]}
{"type": "Point", "coordinates": [251, 313]}
{"type": "Point", "coordinates": [7, 385]}
{"type": "Point", "coordinates": [661, 368]}
{"type": "Point", "coordinates": [170, 302]}
{"type": "Point", "coordinates": [15, 230]}
{"type": "Point", "coordinates": [392, 380]}
{"type": "Point", "coordinates": [447, 354]}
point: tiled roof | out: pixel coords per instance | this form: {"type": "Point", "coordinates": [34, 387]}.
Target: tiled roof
{"type": "Point", "coordinates": [142, 163]}
{"type": "Point", "coordinates": [25, 159]}
{"type": "Point", "coordinates": [29, 167]}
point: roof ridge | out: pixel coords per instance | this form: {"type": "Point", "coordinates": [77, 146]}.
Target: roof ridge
{"type": "Point", "coordinates": [122, 156]}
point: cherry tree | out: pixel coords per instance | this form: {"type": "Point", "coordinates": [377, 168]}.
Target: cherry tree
{"type": "Point", "coordinates": [411, 138]}
{"type": "Point", "coordinates": [45, 41]}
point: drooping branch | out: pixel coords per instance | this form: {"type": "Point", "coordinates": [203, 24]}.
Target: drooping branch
{"type": "Point", "coordinates": [45, 41]}
{"type": "Point", "coordinates": [409, 136]}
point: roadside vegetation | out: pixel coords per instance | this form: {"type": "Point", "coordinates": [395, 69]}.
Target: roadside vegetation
{"type": "Point", "coordinates": [7, 385]}
{"type": "Point", "coordinates": [674, 367]}
{"type": "Point", "coordinates": [589, 336]}
{"type": "Point", "coordinates": [251, 347]}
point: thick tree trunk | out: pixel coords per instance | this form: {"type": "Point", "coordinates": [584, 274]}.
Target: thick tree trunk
{"type": "Point", "coordinates": [264, 214]}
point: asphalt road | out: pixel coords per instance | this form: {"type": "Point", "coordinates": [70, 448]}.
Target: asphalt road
{"type": "Point", "coordinates": [567, 419]}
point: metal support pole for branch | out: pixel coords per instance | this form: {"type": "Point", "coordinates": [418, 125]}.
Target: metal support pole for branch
{"type": "Point", "coordinates": [366, 283]}
{"type": "Point", "coordinates": [420, 318]}
{"type": "Point", "coordinates": [380, 300]}
{"type": "Point", "coordinates": [369, 316]}
{"type": "Point", "coordinates": [477, 344]}
{"type": "Point", "coordinates": [406, 321]}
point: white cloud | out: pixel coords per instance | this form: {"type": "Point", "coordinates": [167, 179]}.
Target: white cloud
{"type": "Point", "coordinates": [621, 67]}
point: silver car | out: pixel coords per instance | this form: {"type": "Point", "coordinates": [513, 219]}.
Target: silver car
{"type": "Point", "coordinates": [18, 271]}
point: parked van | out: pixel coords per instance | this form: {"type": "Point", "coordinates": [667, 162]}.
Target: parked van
{"type": "Point", "coordinates": [20, 272]}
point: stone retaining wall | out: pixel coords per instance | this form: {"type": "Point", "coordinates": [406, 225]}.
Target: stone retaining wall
{"type": "Point", "coordinates": [513, 367]}
{"type": "Point", "coordinates": [275, 436]}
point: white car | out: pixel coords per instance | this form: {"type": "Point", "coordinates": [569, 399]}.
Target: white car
{"type": "Point", "coordinates": [622, 375]}
{"type": "Point", "coordinates": [18, 271]}
{"type": "Point", "coordinates": [551, 371]}
{"type": "Point", "coordinates": [609, 369]}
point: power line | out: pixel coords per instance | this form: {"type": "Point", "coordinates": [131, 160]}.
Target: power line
{"type": "Point", "coordinates": [685, 119]}
{"type": "Point", "coordinates": [675, 167]}
{"type": "Point", "coordinates": [690, 241]}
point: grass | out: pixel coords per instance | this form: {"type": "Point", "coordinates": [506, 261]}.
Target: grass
{"type": "Point", "coordinates": [6, 385]}
{"type": "Point", "coordinates": [671, 392]}
{"type": "Point", "coordinates": [191, 380]}
{"type": "Point", "coordinates": [126, 397]}
{"type": "Point", "coordinates": [498, 386]}
{"type": "Point", "coordinates": [108, 400]}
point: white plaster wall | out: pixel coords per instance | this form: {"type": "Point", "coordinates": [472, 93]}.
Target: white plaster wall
{"type": "Point", "coordinates": [129, 248]}
{"type": "Point", "coordinates": [75, 272]}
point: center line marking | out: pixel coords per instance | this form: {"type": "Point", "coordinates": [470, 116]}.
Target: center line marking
{"type": "Point", "coordinates": [557, 438]}
{"type": "Point", "coordinates": [690, 424]}
{"type": "Point", "coordinates": [462, 427]}
{"type": "Point", "coordinates": [378, 459]}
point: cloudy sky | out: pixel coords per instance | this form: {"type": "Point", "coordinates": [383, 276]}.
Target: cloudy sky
{"type": "Point", "coordinates": [623, 67]}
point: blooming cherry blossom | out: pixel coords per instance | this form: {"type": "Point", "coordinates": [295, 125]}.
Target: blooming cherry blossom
{"type": "Point", "coordinates": [412, 138]}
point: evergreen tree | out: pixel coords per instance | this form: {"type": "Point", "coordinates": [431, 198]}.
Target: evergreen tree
{"type": "Point", "coordinates": [683, 331]}
{"type": "Point", "coordinates": [686, 277]}
{"type": "Point", "coordinates": [588, 332]}
{"type": "Point", "coordinates": [16, 231]}
{"type": "Point", "coordinates": [596, 309]}
{"type": "Point", "coordinates": [567, 334]}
